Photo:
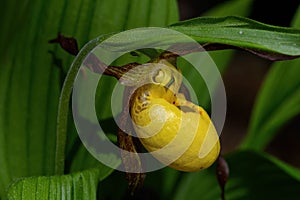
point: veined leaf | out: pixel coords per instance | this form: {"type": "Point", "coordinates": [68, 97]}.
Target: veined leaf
{"type": "Point", "coordinates": [229, 32]}
{"type": "Point", "coordinates": [30, 78]}
{"type": "Point", "coordinates": [278, 101]}
{"type": "Point", "coordinates": [252, 176]}
{"type": "Point", "coordinates": [81, 185]}
{"type": "Point", "coordinates": [242, 32]}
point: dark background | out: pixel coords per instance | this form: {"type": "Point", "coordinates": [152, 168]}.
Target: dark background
{"type": "Point", "coordinates": [244, 77]}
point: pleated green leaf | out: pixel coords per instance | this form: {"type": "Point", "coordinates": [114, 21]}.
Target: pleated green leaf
{"type": "Point", "coordinates": [278, 101]}
{"type": "Point", "coordinates": [81, 185]}
{"type": "Point", "coordinates": [31, 76]}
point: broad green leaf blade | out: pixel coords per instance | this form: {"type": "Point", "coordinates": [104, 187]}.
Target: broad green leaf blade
{"type": "Point", "coordinates": [29, 91]}
{"type": "Point", "coordinates": [30, 78]}
{"type": "Point", "coordinates": [252, 176]}
{"type": "Point", "coordinates": [242, 32]}
{"type": "Point", "coordinates": [82, 185]}
{"type": "Point", "coordinates": [278, 101]}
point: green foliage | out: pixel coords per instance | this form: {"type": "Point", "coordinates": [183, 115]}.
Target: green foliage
{"type": "Point", "coordinates": [242, 32]}
{"type": "Point", "coordinates": [252, 176]}
{"type": "Point", "coordinates": [278, 101]}
{"type": "Point", "coordinates": [30, 78]}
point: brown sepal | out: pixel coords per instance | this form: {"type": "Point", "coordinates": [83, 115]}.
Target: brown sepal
{"type": "Point", "coordinates": [129, 143]}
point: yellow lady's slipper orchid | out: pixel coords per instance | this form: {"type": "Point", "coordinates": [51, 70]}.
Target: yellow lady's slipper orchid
{"type": "Point", "coordinates": [176, 131]}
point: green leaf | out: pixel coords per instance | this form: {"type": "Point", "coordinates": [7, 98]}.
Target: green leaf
{"type": "Point", "coordinates": [278, 101]}
{"type": "Point", "coordinates": [30, 78]}
{"type": "Point", "coordinates": [82, 185]}
{"type": "Point", "coordinates": [252, 176]}
{"type": "Point", "coordinates": [29, 90]}
{"type": "Point", "coordinates": [232, 7]}
{"type": "Point", "coordinates": [242, 32]}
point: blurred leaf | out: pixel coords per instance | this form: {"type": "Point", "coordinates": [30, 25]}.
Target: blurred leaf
{"type": "Point", "coordinates": [243, 33]}
{"type": "Point", "coordinates": [170, 179]}
{"type": "Point", "coordinates": [278, 101]}
{"type": "Point", "coordinates": [160, 184]}
{"type": "Point", "coordinates": [164, 182]}
{"type": "Point", "coordinates": [30, 78]}
{"type": "Point", "coordinates": [252, 176]}
{"type": "Point", "coordinates": [114, 186]}
{"type": "Point", "coordinates": [231, 7]}
{"type": "Point", "coordinates": [82, 185]}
